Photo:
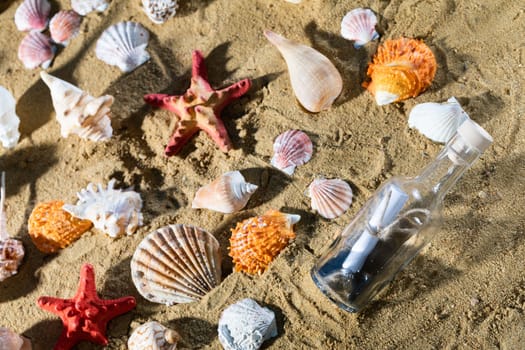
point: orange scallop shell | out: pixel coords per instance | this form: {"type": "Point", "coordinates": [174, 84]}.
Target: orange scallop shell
{"type": "Point", "coordinates": [51, 228]}
{"type": "Point", "coordinates": [256, 241]}
{"type": "Point", "coordinates": [401, 68]}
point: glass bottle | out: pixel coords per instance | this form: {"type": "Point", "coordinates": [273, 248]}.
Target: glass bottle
{"type": "Point", "coordinates": [393, 226]}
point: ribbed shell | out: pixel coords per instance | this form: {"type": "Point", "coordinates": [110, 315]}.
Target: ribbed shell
{"type": "Point", "coordinates": [359, 25]}
{"type": "Point", "coordinates": [9, 340]}
{"type": "Point", "coordinates": [64, 26]}
{"type": "Point", "coordinates": [330, 198]}
{"type": "Point", "coordinates": [159, 11]}
{"type": "Point", "coordinates": [36, 50]}
{"type": "Point", "coordinates": [9, 121]}
{"type": "Point", "coordinates": [176, 264]}
{"type": "Point", "coordinates": [153, 336]}
{"type": "Point", "coordinates": [123, 45]}
{"type": "Point", "coordinates": [290, 149]}
{"type": "Point", "coordinates": [32, 15]}
{"type": "Point", "coordinates": [83, 7]}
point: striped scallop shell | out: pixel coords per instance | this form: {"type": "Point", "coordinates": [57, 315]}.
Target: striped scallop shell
{"type": "Point", "coordinates": [159, 11]}
{"type": "Point", "coordinates": [359, 25]}
{"type": "Point", "coordinates": [153, 336]}
{"type": "Point", "coordinates": [83, 7]}
{"type": "Point", "coordinates": [36, 50]}
{"type": "Point", "coordinates": [32, 15]}
{"type": "Point", "coordinates": [9, 340]}
{"type": "Point", "coordinates": [176, 264]}
{"type": "Point", "coordinates": [290, 149]}
{"type": "Point", "coordinates": [330, 198]}
{"type": "Point", "coordinates": [64, 26]}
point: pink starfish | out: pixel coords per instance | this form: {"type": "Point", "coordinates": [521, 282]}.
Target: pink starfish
{"type": "Point", "coordinates": [199, 108]}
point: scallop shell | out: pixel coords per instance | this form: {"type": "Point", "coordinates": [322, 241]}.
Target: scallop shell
{"type": "Point", "coordinates": [153, 336]}
{"type": "Point", "coordinates": [83, 7]}
{"type": "Point", "coordinates": [315, 80]}
{"type": "Point", "coordinates": [123, 45]}
{"type": "Point", "coordinates": [32, 15]}
{"type": "Point", "coordinates": [176, 264]}
{"type": "Point", "coordinates": [9, 121]}
{"type": "Point", "coordinates": [36, 50]}
{"type": "Point", "coordinates": [330, 198]}
{"type": "Point", "coordinates": [255, 242]}
{"type": "Point", "coordinates": [115, 212]}
{"type": "Point", "coordinates": [227, 194]}
{"type": "Point", "coordinates": [64, 26]}
{"type": "Point", "coordinates": [290, 149]}
{"type": "Point", "coordinates": [359, 25]}
{"type": "Point", "coordinates": [9, 340]}
{"type": "Point", "coordinates": [400, 69]}
{"type": "Point", "coordinates": [437, 121]}
{"type": "Point", "coordinates": [159, 11]}
{"type": "Point", "coordinates": [78, 112]}
{"type": "Point", "coordinates": [245, 325]}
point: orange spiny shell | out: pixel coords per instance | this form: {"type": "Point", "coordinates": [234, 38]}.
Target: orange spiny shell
{"type": "Point", "coordinates": [256, 241]}
{"type": "Point", "coordinates": [52, 228]}
{"type": "Point", "coordinates": [400, 69]}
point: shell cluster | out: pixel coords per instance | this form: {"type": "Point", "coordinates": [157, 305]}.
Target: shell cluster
{"type": "Point", "coordinates": [159, 11]}
{"type": "Point", "coordinates": [330, 198]}
{"type": "Point", "coordinates": [291, 149]}
{"type": "Point", "coordinates": [359, 25]}
{"type": "Point", "coordinates": [9, 121]}
{"type": "Point", "coordinates": [153, 336]}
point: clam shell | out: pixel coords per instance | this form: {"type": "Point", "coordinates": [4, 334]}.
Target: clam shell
{"type": "Point", "coordinates": [36, 50]}
{"type": "Point", "coordinates": [176, 264]}
{"type": "Point", "coordinates": [153, 336]}
{"type": "Point", "coordinates": [9, 121]}
{"type": "Point", "coordinates": [291, 149]}
{"type": "Point", "coordinates": [32, 15]}
{"type": "Point", "coordinates": [227, 194]}
{"type": "Point", "coordinates": [359, 25]}
{"type": "Point", "coordinates": [123, 45]}
{"type": "Point", "coordinates": [9, 340]}
{"type": "Point", "coordinates": [437, 121]}
{"type": "Point", "coordinates": [83, 7]}
{"type": "Point", "coordinates": [315, 80]}
{"type": "Point", "coordinates": [330, 198]}
{"type": "Point", "coordinates": [159, 11]}
{"type": "Point", "coordinates": [64, 26]}
{"type": "Point", "coordinates": [245, 325]}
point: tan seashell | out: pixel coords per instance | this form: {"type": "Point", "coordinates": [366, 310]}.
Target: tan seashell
{"type": "Point", "coordinates": [9, 340]}
{"type": "Point", "coordinates": [330, 198]}
{"type": "Point", "coordinates": [153, 336]}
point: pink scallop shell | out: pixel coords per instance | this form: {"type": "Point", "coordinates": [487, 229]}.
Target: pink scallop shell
{"type": "Point", "coordinates": [36, 50]}
{"type": "Point", "coordinates": [32, 15]}
{"type": "Point", "coordinates": [330, 198]}
{"type": "Point", "coordinates": [64, 26]}
{"type": "Point", "coordinates": [359, 25]}
{"type": "Point", "coordinates": [291, 148]}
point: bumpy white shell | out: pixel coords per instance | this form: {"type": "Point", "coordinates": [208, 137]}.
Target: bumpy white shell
{"type": "Point", "coordinates": [227, 194]}
{"type": "Point", "coordinates": [64, 26]}
{"type": "Point", "coordinates": [123, 45]}
{"type": "Point", "coordinates": [153, 336]}
{"type": "Point", "coordinates": [290, 149]}
{"type": "Point", "coordinates": [36, 50]}
{"type": "Point", "coordinates": [32, 15]}
{"type": "Point", "coordinates": [83, 7]}
{"type": "Point", "coordinates": [315, 80]}
{"type": "Point", "coordinates": [176, 264]}
{"type": "Point", "coordinates": [115, 212]}
{"type": "Point", "coordinates": [9, 121]}
{"type": "Point", "coordinates": [159, 11]}
{"type": "Point", "coordinates": [9, 340]}
{"type": "Point", "coordinates": [359, 25]}
{"type": "Point", "coordinates": [245, 325]}
{"type": "Point", "coordinates": [78, 112]}
{"type": "Point", "coordinates": [437, 121]}
{"type": "Point", "coordinates": [330, 198]}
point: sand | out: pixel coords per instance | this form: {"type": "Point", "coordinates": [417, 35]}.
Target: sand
{"type": "Point", "coordinates": [466, 290]}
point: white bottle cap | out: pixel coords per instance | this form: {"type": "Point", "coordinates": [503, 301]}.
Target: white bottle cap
{"type": "Point", "coordinates": [474, 135]}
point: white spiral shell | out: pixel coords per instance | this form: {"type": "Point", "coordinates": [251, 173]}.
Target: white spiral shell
{"type": "Point", "coordinates": [9, 121]}
{"type": "Point", "coordinates": [359, 25]}
{"type": "Point", "coordinates": [153, 336]}
{"type": "Point", "coordinates": [32, 15]}
{"type": "Point", "coordinates": [330, 198]}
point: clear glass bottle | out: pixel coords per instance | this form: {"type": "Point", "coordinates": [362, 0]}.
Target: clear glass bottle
{"type": "Point", "coordinates": [393, 226]}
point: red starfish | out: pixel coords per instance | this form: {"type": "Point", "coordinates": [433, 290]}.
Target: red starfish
{"type": "Point", "coordinates": [199, 108]}
{"type": "Point", "coordinates": [85, 316]}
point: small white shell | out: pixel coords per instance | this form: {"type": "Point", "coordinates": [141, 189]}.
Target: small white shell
{"type": "Point", "coordinates": [437, 121]}
{"type": "Point", "coordinates": [64, 26]}
{"type": "Point", "coordinates": [123, 45]}
{"type": "Point", "coordinates": [294, 1]}
{"type": "Point", "coordinates": [83, 7]}
{"type": "Point", "coordinates": [78, 112]}
{"type": "Point", "coordinates": [36, 50]}
{"type": "Point", "coordinates": [9, 121]}
{"type": "Point", "coordinates": [245, 325]}
{"type": "Point", "coordinates": [330, 198]}
{"type": "Point", "coordinates": [9, 340]}
{"type": "Point", "coordinates": [227, 194]}
{"type": "Point", "coordinates": [359, 25]}
{"type": "Point", "coordinates": [291, 148]}
{"type": "Point", "coordinates": [159, 11]}
{"type": "Point", "coordinates": [315, 80]}
{"type": "Point", "coordinates": [176, 264]}
{"type": "Point", "coordinates": [153, 336]}
{"type": "Point", "coordinates": [32, 15]}
{"type": "Point", "coordinates": [115, 212]}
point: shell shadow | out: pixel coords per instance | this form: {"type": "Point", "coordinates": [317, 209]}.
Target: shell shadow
{"type": "Point", "coordinates": [189, 7]}
{"type": "Point", "coordinates": [481, 107]}
{"type": "Point", "coordinates": [4, 5]}
{"type": "Point", "coordinates": [279, 320]}
{"type": "Point", "coordinates": [196, 333]}
{"type": "Point", "coordinates": [451, 64]}
{"type": "Point", "coordinates": [270, 181]}
{"type": "Point", "coordinates": [44, 334]}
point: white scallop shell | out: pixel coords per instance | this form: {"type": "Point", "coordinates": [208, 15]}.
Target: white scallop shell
{"type": "Point", "coordinates": [9, 340]}
{"type": "Point", "coordinates": [9, 121]}
{"type": "Point", "coordinates": [330, 198]}
{"type": "Point", "coordinates": [123, 45]}
{"type": "Point", "coordinates": [437, 121]}
{"type": "Point", "coordinates": [359, 25]}
{"type": "Point", "coordinates": [153, 336]}
{"type": "Point", "coordinates": [315, 80]}
{"type": "Point", "coordinates": [176, 264]}
{"type": "Point", "coordinates": [290, 149]}
{"type": "Point", "coordinates": [227, 194]}
{"type": "Point", "coordinates": [159, 11]}
{"type": "Point", "coordinates": [78, 112]}
{"type": "Point", "coordinates": [245, 325]}
{"type": "Point", "coordinates": [83, 7]}
{"type": "Point", "coordinates": [36, 50]}
{"type": "Point", "coordinates": [32, 15]}
{"type": "Point", "coordinates": [64, 26]}
{"type": "Point", "coordinates": [115, 212]}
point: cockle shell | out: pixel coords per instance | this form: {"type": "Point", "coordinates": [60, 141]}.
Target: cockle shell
{"type": "Point", "coordinates": [255, 242]}
{"type": "Point", "coordinates": [9, 121]}
{"type": "Point", "coordinates": [176, 264]}
{"type": "Point", "coordinates": [227, 194]}
{"type": "Point", "coordinates": [9, 340]}
{"type": "Point", "coordinates": [153, 336]}
{"type": "Point", "coordinates": [245, 325]}
{"type": "Point", "coordinates": [123, 45]}
{"type": "Point", "coordinates": [159, 11]}
{"type": "Point", "coordinates": [437, 121]}
{"type": "Point", "coordinates": [78, 112]}
{"type": "Point", "coordinates": [115, 212]}
{"type": "Point", "coordinates": [64, 26]}
{"type": "Point", "coordinates": [83, 7]}
{"type": "Point", "coordinates": [32, 15]}
{"type": "Point", "coordinates": [359, 25]}
{"type": "Point", "coordinates": [330, 198]}
{"type": "Point", "coordinates": [400, 69]}
{"type": "Point", "coordinates": [315, 80]}
{"type": "Point", "coordinates": [291, 149]}
{"type": "Point", "coordinates": [36, 50]}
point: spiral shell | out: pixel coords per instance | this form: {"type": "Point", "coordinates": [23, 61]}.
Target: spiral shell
{"type": "Point", "coordinates": [9, 121]}
{"type": "Point", "coordinates": [330, 198]}
{"type": "Point", "coordinates": [153, 336]}
{"type": "Point", "coordinates": [359, 25]}
{"type": "Point", "coordinates": [36, 50]}
{"type": "Point", "coordinates": [83, 7]}
{"type": "Point", "coordinates": [159, 11]}
{"type": "Point", "coordinates": [64, 26]}
{"type": "Point", "coordinates": [32, 15]}
{"type": "Point", "coordinates": [291, 149]}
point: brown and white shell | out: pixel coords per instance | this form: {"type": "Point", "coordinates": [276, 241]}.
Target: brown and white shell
{"type": "Point", "coordinates": [153, 336]}
{"type": "Point", "coordinates": [176, 264]}
{"type": "Point", "coordinates": [330, 198]}
{"type": "Point", "coordinates": [9, 340]}
{"type": "Point", "coordinates": [290, 149]}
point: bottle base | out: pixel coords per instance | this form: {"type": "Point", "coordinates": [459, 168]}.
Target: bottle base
{"type": "Point", "coordinates": [327, 291]}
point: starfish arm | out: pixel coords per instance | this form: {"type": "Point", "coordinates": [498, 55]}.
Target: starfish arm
{"type": "Point", "coordinates": [155, 100]}
{"type": "Point", "coordinates": [116, 307]}
{"type": "Point", "coordinates": [183, 132]}
{"type": "Point", "coordinates": [65, 342]}
{"type": "Point", "coordinates": [54, 305]}
{"type": "Point", "coordinates": [199, 73]}
{"type": "Point", "coordinates": [232, 92]}
{"type": "Point", "coordinates": [214, 127]}
{"type": "Point", "coordinates": [86, 286]}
